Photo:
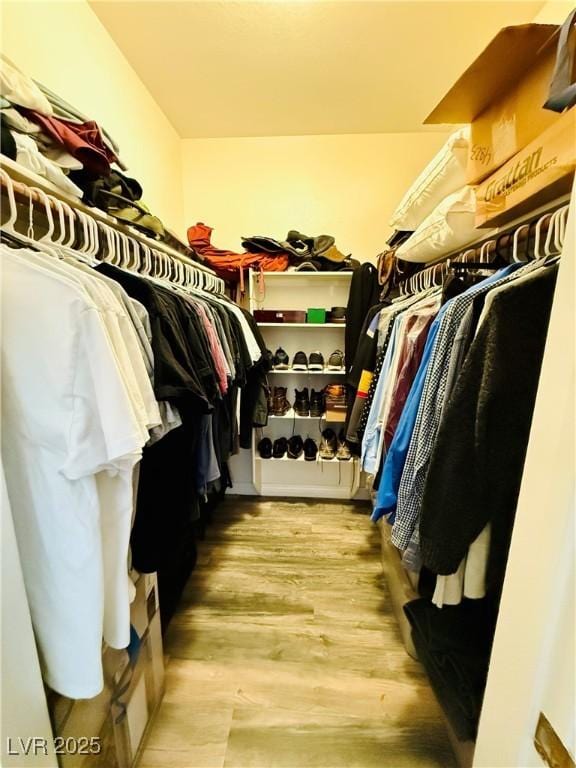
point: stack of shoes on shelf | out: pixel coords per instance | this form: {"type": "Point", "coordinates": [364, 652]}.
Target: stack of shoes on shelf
{"type": "Point", "coordinates": [303, 363]}
{"type": "Point", "coordinates": [292, 447]}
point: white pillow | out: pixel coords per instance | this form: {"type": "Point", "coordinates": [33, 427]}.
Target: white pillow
{"type": "Point", "coordinates": [443, 175]}
{"type": "Point", "coordinates": [449, 227]}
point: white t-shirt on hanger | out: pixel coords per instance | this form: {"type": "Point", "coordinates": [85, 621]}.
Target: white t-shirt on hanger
{"type": "Point", "coordinates": [66, 417]}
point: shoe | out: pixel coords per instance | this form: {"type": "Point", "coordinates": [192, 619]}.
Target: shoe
{"type": "Point", "coordinates": [316, 404]}
{"type": "Point", "coordinates": [279, 448]}
{"type": "Point", "coordinates": [265, 448]}
{"type": "Point", "coordinates": [316, 362]}
{"type": "Point", "coordinates": [343, 452]}
{"type": "Point", "coordinates": [328, 444]}
{"type": "Point", "coordinates": [295, 447]}
{"type": "Point", "coordinates": [302, 402]}
{"type": "Point", "coordinates": [280, 405]}
{"type": "Point", "coordinates": [310, 450]}
{"type": "Point", "coordinates": [335, 361]}
{"type": "Point", "coordinates": [281, 360]}
{"type": "Point", "coordinates": [300, 362]}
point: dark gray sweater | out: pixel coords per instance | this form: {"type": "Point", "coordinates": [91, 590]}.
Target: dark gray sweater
{"type": "Point", "coordinates": [476, 466]}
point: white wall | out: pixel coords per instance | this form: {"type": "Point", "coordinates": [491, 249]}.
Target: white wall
{"type": "Point", "coordinates": [66, 47]}
{"type": "Point", "coordinates": [346, 186]}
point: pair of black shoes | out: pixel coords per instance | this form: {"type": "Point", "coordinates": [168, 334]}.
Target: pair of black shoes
{"type": "Point", "coordinates": [293, 448]}
{"type": "Point", "coordinates": [309, 404]}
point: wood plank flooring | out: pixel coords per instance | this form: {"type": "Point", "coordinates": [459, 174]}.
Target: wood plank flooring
{"type": "Point", "coordinates": [285, 652]}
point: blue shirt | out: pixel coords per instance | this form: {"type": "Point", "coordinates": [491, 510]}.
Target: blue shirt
{"type": "Point", "coordinates": [387, 497]}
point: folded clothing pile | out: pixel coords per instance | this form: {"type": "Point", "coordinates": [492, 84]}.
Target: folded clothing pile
{"type": "Point", "coordinates": [48, 136]}
{"type": "Point", "coordinates": [436, 215]}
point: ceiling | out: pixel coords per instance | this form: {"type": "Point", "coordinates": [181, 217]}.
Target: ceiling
{"type": "Point", "coordinates": [286, 67]}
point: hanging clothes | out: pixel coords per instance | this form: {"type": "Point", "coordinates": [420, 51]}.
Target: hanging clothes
{"type": "Point", "coordinates": [105, 372]}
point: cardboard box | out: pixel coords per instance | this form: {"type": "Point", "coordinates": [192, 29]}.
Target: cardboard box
{"type": "Point", "coordinates": [501, 94]}
{"type": "Point", "coordinates": [540, 173]}
{"type": "Point", "coordinates": [279, 316]}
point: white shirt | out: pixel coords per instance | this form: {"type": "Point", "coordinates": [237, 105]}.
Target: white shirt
{"type": "Point", "coordinates": [67, 416]}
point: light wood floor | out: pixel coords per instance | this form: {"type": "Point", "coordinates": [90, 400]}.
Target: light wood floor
{"type": "Point", "coordinates": [285, 652]}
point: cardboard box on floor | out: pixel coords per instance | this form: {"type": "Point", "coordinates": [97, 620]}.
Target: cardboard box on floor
{"type": "Point", "coordinates": [538, 174]}
{"type": "Point", "coordinates": [501, 95]}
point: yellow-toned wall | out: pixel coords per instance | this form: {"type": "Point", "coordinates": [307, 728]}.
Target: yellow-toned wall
{"type": "Point", "coordinates": [346, 186]}
{"type": "Point", "coordinates": [553, 12]}
{"type": "Point", "coordinates": [65, 46]}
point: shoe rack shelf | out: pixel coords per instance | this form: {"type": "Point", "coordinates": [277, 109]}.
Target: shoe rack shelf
{"type": "Point", "coordinates": [321, 478]}
{"type": "Point", "coordinates": [301, 459]}
{"type": "Point", "coordinates": [293, 415]}
{"type": "Point", "coordinates": [307, 373]}
{"type": "Point", "coordinates": [308, 326]}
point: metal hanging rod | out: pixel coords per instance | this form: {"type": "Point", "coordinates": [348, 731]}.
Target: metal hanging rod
{"type": "Point", "coordinates": [23, 189]}
{"type": "Point", "coordinates": [173, 264]}
{"type": "Point", "coordinates": [531, 239]}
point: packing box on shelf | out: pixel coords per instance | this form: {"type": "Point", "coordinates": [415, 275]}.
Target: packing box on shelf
{"type": "Point", "coordinates": [538, 174]}
{"type": "Point", "coordinates": [279, 316]}
{"type": "Point", "coordinates": [317, 316]}
{"type": "Point", "coordinates": [502, 95]}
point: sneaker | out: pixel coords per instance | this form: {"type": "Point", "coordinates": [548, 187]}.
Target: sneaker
{"type": "Point", "coordinates": [316, 362]}
{"type": "Point", "coordinates": [280, 405]}
{"type": "Point", "coordinates": [281, 360]}
{"type": "Point", "coordinates": [280, 447]}
{"type": "Point", "coordinates": [302, 402]}
{"type": "Point", "coordinates": [316, 404]}
{"type": "Point", "coordinates": [328, 444]}
{"type": "Point", "coordinates": [310, 450]}
{"type": "Point", "coordinates": [335, 361]}
{"type": "Point", "coordinates": [265, 448]}
{"type": "Point", "coordinates": [300, 362]}
{"type": "Point", "coordinates": [343, 452]}
{"type": "Point", "coordinates": [295, 447]}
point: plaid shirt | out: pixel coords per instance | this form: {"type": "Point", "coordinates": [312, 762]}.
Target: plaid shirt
{"type": "Point", "coordinates": [413, 479]}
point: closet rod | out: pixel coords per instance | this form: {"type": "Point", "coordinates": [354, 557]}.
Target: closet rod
{"type": "Point", "coordinates": [499, 244]}
{"type": "Point", "coordinates": [23, 190]}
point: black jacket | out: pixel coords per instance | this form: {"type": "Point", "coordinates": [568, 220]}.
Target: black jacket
{"type": "Point", "coordinates": [476, 465]}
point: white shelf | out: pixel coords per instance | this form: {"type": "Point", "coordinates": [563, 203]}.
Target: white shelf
{"type": "Point", "coordinates": [302, 325]}
{"type": "Point", "coordinates": [301, 458]}
{"type": "Point", "coordinates": [309, 373]}
{"type": "Point", "coordinates": [315, 275]}
{"type": "Point", "coordinates": [292, 415]}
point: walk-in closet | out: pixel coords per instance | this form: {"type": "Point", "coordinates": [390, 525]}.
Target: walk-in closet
{"type": "Point", "coordinates": [287, 383]}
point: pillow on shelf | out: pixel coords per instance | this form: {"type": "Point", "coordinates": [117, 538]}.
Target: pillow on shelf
{"type": "Point", "coordinates": [444, 174]}
{"type": "Point", "coordinates": [449, 227]}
